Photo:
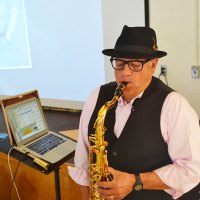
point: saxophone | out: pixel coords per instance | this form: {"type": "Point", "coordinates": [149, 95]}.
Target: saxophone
{"type": "Point", "coordinates": [98, 163]}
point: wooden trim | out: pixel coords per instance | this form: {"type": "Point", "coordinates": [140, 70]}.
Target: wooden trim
{"type": "Point", "coordinates": [146, 5]}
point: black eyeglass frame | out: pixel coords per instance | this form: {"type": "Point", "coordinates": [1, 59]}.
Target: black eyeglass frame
{"type": "Point", "coordinates": [127, 62]}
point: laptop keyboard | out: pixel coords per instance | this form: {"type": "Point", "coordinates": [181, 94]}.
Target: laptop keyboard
{"type": "Point", "coordinates": [45, 144]}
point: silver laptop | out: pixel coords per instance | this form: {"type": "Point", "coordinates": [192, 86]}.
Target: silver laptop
{"type": "Point", "coordinates": [30, 131]}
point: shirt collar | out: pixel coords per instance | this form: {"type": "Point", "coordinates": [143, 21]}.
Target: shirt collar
{"type": "Point", "coordinates": [121, 102]}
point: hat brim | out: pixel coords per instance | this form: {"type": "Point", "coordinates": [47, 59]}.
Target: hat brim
{"type": "Point", "coordinates": [126, 54]}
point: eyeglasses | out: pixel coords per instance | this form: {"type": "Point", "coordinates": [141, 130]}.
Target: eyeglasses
{"type": "Point", "coordinates": [134, 65]}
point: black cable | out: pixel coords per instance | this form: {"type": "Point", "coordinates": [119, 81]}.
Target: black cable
{"type": "Point", "coordinates": [161, 74]}
{"type": "Point", "coordinates": [166, 80]}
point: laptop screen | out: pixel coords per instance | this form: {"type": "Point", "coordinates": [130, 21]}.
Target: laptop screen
{"type": "Point", "coordinates": [26, 119]}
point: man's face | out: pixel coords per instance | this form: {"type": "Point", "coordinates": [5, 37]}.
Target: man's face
{"type": "Point", "coordinates": [137, 81]}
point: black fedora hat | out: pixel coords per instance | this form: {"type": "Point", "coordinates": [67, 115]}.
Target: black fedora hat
{"type": "Point", "coordinates": [136, 42]}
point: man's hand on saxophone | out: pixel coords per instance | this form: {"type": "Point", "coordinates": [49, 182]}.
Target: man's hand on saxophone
{"type": "Point", "coordinates": [119, 187]}
{"type": "Point", "coordinates": [123, 183]}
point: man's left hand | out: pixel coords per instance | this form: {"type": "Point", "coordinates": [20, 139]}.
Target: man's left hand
{"type": "Point", "coordinates": [119, 187]}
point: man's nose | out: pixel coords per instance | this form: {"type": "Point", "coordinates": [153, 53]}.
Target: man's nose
{"type": "Point", "coordinates": [126, 69]}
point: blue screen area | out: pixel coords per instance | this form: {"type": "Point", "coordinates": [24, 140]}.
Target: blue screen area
{"type": "Point", "coordinates": [56, 45]}
{"type": "Point", "coordinates": [66, 40]}
{"type": "Point", "coordinates": [14, 43]}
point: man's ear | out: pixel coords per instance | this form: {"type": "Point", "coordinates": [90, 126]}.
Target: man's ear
{"type": "Point", "coordinates": [154, 62]}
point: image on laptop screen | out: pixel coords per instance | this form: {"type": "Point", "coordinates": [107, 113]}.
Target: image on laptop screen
{"type": "Point", "coordinates": [26, 120]}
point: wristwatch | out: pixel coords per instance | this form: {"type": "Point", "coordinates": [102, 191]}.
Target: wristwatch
{"type": "Point", "coordinates": [138, 183]}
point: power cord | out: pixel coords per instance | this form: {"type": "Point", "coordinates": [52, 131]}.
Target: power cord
{"type": "Point", "coordinates": [13, 180]}
{"type": "Point", "coordinates": [165, 78]}
{"type": "Point", "coordinates": [13, 177]}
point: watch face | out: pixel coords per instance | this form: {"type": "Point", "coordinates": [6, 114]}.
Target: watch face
{"type": "Point", "coordinates": [138, 187]}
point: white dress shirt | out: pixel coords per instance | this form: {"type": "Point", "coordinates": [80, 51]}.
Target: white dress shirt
{"type": "Point", "coordinates": [180, 130]}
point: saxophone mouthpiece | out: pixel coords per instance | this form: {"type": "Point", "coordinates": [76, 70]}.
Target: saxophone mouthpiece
{"type": "Point", "coordinates": [124, 83]}
{"type": "Point", "coordinates": [120, 89]}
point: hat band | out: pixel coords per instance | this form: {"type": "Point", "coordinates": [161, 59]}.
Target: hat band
{"type": "Point", "coordinates": [134, 49]}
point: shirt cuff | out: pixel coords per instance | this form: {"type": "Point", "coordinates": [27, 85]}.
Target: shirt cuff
{"type": "Point", "coordinates": [173, 192]}
{"type": "Point", "coordinates": [170, 176]}
{"type": "Point", "coordinates": [80, 176]}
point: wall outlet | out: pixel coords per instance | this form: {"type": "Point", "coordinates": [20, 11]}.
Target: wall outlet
{"type": "Point", "coordinates": [195, 71]}
{"type": "Point", "coordinates": [163, 70]}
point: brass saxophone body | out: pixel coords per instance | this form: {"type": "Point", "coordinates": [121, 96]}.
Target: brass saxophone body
{"type": "Point", "coordinates": [98, 163]}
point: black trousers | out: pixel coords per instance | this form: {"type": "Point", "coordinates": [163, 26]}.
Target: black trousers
{"type": "Point", "coordinates": [193, 194]}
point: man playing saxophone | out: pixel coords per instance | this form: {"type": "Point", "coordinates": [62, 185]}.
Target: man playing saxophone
{"type": "Point", "coordinates": [152, 133]}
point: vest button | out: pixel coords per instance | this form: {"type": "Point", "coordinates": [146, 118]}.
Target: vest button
{"type": "Point", "coordinates": [114, 153]}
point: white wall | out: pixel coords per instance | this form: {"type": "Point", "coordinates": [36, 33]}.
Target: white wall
{"type": "Point", "coordinates": [177, 27]}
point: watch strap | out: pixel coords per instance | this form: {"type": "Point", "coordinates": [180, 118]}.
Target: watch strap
{"type": "Point", "coordinates": [138, 183]}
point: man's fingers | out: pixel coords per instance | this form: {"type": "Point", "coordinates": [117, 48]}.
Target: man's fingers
{"type": "Point", "coordinates": [105, 184]}
{"type": "Point", "coordinates": [105, 192]}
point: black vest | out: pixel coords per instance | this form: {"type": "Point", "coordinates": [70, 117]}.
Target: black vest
{"type": "Point", "coordinates": [140, 147]}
